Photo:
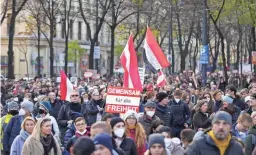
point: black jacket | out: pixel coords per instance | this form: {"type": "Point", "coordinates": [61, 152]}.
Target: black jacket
{"type": "Point", "coordinates": [91, 112]}
{"type": "Point", "coordinates": [240, 103]}
{"type": "Point", "coordinates": [55, 108]}
{"type": "Point", "coordinates": [146, 122]}
{"type": "Point", "coordinates": [129, 146]}
{"type": "Point", "coordinates": [164, 113]}
{"type": "Point", "coordinates": [206, 146]}
{"type": "Point", "coordinates": [201, 120]}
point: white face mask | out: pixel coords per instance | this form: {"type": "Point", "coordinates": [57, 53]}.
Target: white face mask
{"type": "Point", "coordinates": [22, 112]}
{"type": "Point", "coordinates": [119, 132]}
{"type": "Point", "coordinates": [167, 141]}
{"type": "Point", "coordinates": [177, 100]}
{"type": "Point", "coordinates": [150, 113]}
{"type": "Point", "coordinates": [208, 99]}
{"type": "Point", "coordinates": [81, 133]}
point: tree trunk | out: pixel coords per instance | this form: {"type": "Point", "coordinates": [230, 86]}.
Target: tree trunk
{"type": "Point", "coordinates": [25, 54]}
{"type": "Point", "coordinates": [10, 45]}
{"type": "Point", "coordinates": [254, 43]}
{"type": "Point", "coordinates": [182, 61]}
{"type": "Point", "coordinates": [223, 58]}
{"type": "Point", "coordinates": [91, 59]}
{"type": "Point", "coordinates": [228, 55]}
{"type": "Point", "coordinates": [112, 50]}
{"type": "Point", "coordinates": [238, 52]}
{"type": "Point", "coordinates": [66, 54]}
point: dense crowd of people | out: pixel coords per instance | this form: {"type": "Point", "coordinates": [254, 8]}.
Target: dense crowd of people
{"type": "Point", "coordinates": [181, 118]}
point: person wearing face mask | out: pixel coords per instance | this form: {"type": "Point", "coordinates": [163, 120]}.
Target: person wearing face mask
{"type": "Point", "coordinates": [148, 117]}
{"type": "Point", "coordinates": [13, 109]}
{"type": "Point", "coordinates": [179, 112]}
{"type": "Point", "coordinates": [173, 147]}
{"type": "Point", "coordinates": [120, 139]}
{"type": "Point", "coordinates": [44, 111]}
{"type": "Point", "coordinates": [14, 126]}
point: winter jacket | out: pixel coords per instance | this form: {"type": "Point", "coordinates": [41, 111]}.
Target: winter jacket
{"type": "Point", "coordinates": [236, 114]}
{"type": "Point", "coordinates": [201, 120]}
{"type": "Point", "coordinates": [249, 146]}
{"type": "Point", "coordinates": [73, 139]}
{"type": "Point", "coordinates": [132, 134]}
{"type": "Point", "coordinates": [146, 122]}
{"type": "Point", "coordinates": [254, 151]}
{"type": "Point", "coordinates": [129, 146]}
{"type": "Point", "coordinates": [18, 143]}
{"type": "Point", "coordinates": [217, 105]}
{"type": "Point", "coordinates": [180, 113]}
{"type": "Point", "coordinates": [164, 113]}
{"type": "Point", "coordinates": [239, 102]}
{"type": "Point", "coordinates": [4, 121]}
{"type": "Point", "coordinates": [204, 145]}
{"type": "Point", "coordinates": [11, 131]}
{"type": "Point", "coordinates": [236, 133]}
{"type": "Point", "coordinates": [91, 112]}
{"type": "Point", "coordinates": [35, 147]}
{"type": "Point", "coordinates": [55, 108]}
{"type": "Point", "coordinates": [175, 149]}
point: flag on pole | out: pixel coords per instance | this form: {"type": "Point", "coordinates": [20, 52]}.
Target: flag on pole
{"type": "Point", "coordinates": [130, 66]}
{"type": "Point", "coordinates": [161, 81]}
{"type": "Point", "coordinates": [154, 54]}
{"type": "Point", "coordinates": [66, 87]}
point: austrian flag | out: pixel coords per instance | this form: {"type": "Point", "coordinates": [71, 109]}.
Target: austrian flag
{"type": "Point", "coordinates": [130, 65]}
{"type": "Point", "coordinates": [66, 87]}
{"type": "Point", "coordinates": [154, 54]}
{"type": "Point", "coordinates": [161, 81]}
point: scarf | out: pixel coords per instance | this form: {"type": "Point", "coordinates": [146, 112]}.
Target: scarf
{"type": "Point", "coordinates": [48, 143]}
{"type": "Point", "coordinates": [24, 134]}
{"type": "Point", "coordinates": [222, 145]}
{"type": "Point", "coordinates": [80, 134]}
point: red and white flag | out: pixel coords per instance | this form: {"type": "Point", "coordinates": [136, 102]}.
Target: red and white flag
{"type": "Point", "coordinates": [130, 66]}
{"type": "Point", "coordinates": [66, 87]}
{"type": "Point", "coordinates": [154, 54]}
{"type": "Point", "coordinates": [161, 81]}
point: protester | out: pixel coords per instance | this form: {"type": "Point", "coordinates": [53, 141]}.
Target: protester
{"type": "Point", "coordinates": [200, 118]}
{"type": "Point", "coordinates": [27, 127]}
{"type": "Point", "coordinates": [121, 141]}
{"type": "Point", "coordinates": [250, 140]}
{"type": "Point", "coordinates": [218, 100]}
{"type": "Point", "coordinates": [42, 142]}
{"type": "Point", "coordinates": [135, 131]}
{"type": "Point", "coordinates": [218, 140]}
{"type": "Point", "coordinates": [231, 91]}
{"type": "Point", "coordinates": [252, 104]}
{"type": "Point", "coordinates": [107, 118]}
{"type": "Point", "coordinates": [240, 129]}
{"type": "Point", "coordinates": [187, 136]}
{"type": "Point", "coordinates": [14, 126]}
{"type": "Point", "coordinates": [156, 145]}
{"type": "Point", "coordinates": [210, 102]}
{"type": "Point", "coordinates": [55, 105]}
{"type": "Point", "coordinates": [163, 110]}
{"type": "Point", "coordinates": [148, 117]}
{"type": "Point", "coordinates": [155, 126]}
{"type": "Point", "coordinates": [83, 146]}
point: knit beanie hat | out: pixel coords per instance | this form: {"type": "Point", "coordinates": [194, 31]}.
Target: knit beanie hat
{"type": "Point", "coordinates": [131, 113]}
{"type": "Point", "coordinates": [27, 105]}
{"type": "Point", "coordinates": [156, 139]}
{"type": "Point", "coordinates": [160, 96]}
{"type": "Point", "coordinates": [116, 120]}
{"type": "Point", "coordinates": [227, 99]}
{"type": "Point", "coordinates": [46, 105]}
{"type": "Point", "coordinates": [105, 140]}
{"type": "Point", "coordinates": [12, 106]}
{"type": "Point", "coordinates": [222, 115]}
{"type": "Point", "coordinates": [83, 145]}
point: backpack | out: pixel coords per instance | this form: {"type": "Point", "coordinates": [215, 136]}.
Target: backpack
{"type": "Point", "coordinates": [177, 114]}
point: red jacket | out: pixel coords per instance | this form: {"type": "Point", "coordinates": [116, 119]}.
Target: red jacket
{"type": "Point", "coordinates": [142, 149]}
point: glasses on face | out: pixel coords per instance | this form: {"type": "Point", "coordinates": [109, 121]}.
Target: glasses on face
{"type": "Point", "coordinates": [131, 117]}
{"type": "Point", "coordinates": [80, 124]}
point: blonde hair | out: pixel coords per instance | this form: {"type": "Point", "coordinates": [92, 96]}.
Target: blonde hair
{"type": "Point", "coordinates": [140, 135]}
{"type": "Point", "coordinates": [37, 130]}
{"type": "Point", "coordinates": [27, 119]}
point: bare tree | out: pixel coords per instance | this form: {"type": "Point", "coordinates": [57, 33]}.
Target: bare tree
{"type": "Point", "coordinates": [23, 48]}
{"type": "Point", "coordinates": [4, 10]}
{"type": "Point", "coordinates": [16, 8]}
{"type": "Point", "coordinates": [102, 8]}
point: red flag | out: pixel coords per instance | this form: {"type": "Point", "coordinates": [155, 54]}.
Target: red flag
{"type": "Point", "coordinates": [161, 81]}
{"type": "Point", "coordinates": [130, 65]}
{"type": "Point", "coordinates": [66, 87]}
{"type": "Point", "coordinates": [154, 54]}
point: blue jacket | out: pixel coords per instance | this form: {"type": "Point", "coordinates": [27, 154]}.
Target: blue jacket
{"type": "Point", "coordinates": [69, 133]}
{"type": "Point", "coordinates": [17, 146]}
{"type": "Point", "coordinates": [11, 131]}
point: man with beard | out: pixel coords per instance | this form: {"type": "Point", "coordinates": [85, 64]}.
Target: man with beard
{"type": "Point", "coordinates": [218, 140]}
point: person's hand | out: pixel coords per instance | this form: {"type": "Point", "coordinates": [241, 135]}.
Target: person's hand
{"type": "Point", "coordinates": [211, 116]}
{"type": "Point", "coordinates": [200, 129]}
{"type": "Point", "coordinates": [185, 125]}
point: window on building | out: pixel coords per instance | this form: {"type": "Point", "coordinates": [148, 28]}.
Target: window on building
{"type": "Point", "coordinates": [4, 65]}
{"type": "Point", "coordinates": [79, 30]}
{"type": "Point", "coordinates": [62, 28]}
{"type": "Point", "coordinates": [71, 29]}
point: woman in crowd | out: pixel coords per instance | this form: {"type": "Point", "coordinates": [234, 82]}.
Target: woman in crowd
{"type": "Point", "coordinates": [156, 145]}
{"type": "Point", "coordinates": [218, 102]}
{"type": "Point", "coordinates": [200, 118]}
{"type": "Point", "coordinates": [42, 142]}
{"type": "Point", "coordinates": [156, 125]}
{"type": "Point", "coordinates": [27, 127]}
{"type": "Point", "coordinates": [186, 97]}
{"type": "Point", "coordinates": [135, 131]}
{"type": "Point", "coordinates": [119, 136]}
{"type": "Point", "coordinates": [231, 108]}
{"type": "Point", "coordinates": [210, 101]}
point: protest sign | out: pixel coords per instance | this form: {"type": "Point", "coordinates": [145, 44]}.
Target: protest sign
{"type": "Point", "coordinates": [120, 100]}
